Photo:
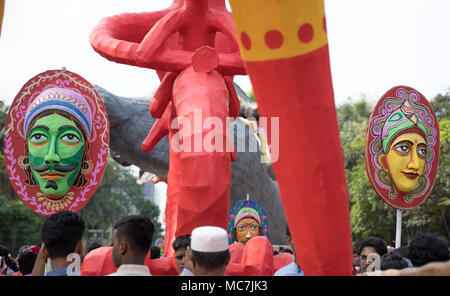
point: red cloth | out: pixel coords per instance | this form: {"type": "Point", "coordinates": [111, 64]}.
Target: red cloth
{"type": "Point", "coordinates": [236, 251]}
{"type": "Point", "coordinates": [98, 262]}
{"type": "Point", "coordinates": [17, 273]}
{"type": "Point", "coordinates": [257, 259]}
{"type": "Point", "coordinates": [282, 259]}
{"type": "Point", "coordinates": [161, 266]}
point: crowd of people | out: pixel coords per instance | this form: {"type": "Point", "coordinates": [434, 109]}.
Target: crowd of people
{"type": "Point", "coordinates": [204, 252]}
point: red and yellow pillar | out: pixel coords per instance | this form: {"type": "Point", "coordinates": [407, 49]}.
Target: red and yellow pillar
{"type": "Point", "coordinates": [285, 50]}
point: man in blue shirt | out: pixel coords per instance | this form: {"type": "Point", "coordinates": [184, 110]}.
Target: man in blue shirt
{"type": "Point", "coordinates": [291, 269]}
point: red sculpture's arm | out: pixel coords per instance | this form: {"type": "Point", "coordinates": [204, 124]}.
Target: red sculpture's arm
{"type": "Point", "coordinates": [162, 96]}
{"type": "Point", "coordinates": [158, 131]}
{"type": "Point", "coordinates": [150, 54]}
{"type": "Point", "coordinates": [234, 103]}
{"type": "Point", "coordinates": [117, 37]}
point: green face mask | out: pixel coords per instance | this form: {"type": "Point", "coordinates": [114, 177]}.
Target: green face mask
{"type": "Point", "coordinates": [55, 147]}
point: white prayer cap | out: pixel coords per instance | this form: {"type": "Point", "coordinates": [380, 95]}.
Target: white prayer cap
{"type": "Point", "coordinates": [209, 239]}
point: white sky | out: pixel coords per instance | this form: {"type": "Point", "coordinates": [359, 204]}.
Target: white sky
{"type": "Point", "coordinates": [374, 45]}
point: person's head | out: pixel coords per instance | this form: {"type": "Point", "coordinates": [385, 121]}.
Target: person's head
{"type": "Point", "coordinates": [403, 251]}
{"type": "Point", "coordinates": [209, 251]}
{"type": "Point", "coordinates": [427, 247]}
{"type": "Point", "coordinates": [62, 234]}
{"type": "Point", "coordinates": [92, 246]}
{"type": "Point", "coordinates": [247, 225]}
{"type": "Point", "coordinates": [57, 127]}
{"type": "Point", "coordinates": [289, 240]}
{"type": "Point", "coordinates": [179, 245]}
{"type": "Point", "coordinates": [371, 245]}
{"type": "Point", "coordinates": [393, 260]}
{"type": "Point", "coordinates": [6, 260]}
{"type": "Point", "coordinates": [132, 239]}
{"type": "Point", "coordinates": [405, 151]}
{"type": "Point", "coordinates": [155, 252]}
{"type": "Point", "coordinates": [26, 262]}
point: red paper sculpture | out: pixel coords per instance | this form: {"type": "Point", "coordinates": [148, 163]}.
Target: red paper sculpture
{"type": "Point", "coordinates": [56, 142]}
{"type": "Point", "coordinates": [285, 49]}
{"type": "Point", "coordinates": [402, 148]}
{"type": "Point", "coordinates": [193, 46]}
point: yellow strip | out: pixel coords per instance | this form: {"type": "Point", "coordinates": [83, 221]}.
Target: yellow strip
{"type": "Point", "coordinates": [258, 20]}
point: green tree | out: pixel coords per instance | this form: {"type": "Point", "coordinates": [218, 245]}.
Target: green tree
{"type": "Point", "coordinates": [118, 196]}
{"type": "Point", "coordinates": [19, 225]}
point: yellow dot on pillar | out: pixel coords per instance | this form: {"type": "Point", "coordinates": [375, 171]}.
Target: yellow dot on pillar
{"type": "Point", "coordinates": [277, 29]}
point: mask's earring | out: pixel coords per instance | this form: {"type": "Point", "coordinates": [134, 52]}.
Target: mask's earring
{"type": "Point", "coordinates": [86, 167]}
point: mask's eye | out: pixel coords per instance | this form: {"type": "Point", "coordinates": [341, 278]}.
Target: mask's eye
{"type": "Point", "coordinates": [70, 138]}
{"type": "Point", "coordinates": [240, 228]}
{"type": "Point", "coordinates": [254, 228]}
{"type": "Point", "coordinates": [422, 152]}
{"type": "Point", "coordinates": [38, 138]}
{"type": "Point", "coordinates": [402, 149]}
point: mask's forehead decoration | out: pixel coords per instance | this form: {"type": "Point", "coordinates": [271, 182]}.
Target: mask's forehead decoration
{"type": "Point", "coordinates": [61, 99]}
{"type": "Point", "coordinates": [401, 120]}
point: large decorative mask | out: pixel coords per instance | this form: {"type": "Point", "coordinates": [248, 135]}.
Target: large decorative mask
{"type": "Point", "coordinates": [56, 142]}
{"type": "Point", "coordinates": [402, 148]}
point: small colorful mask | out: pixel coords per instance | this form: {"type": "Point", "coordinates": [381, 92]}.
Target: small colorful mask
{"type": "Point", "coordinates": [246, 220]}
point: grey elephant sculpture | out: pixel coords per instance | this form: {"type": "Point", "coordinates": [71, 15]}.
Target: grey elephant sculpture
{"type": "Point", "coordinates": [130, 122]}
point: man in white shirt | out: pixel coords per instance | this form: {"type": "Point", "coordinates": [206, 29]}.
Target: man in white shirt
{"type": "Point", "coordinates": [209, 252]}
{"type": "Point", "coordinates": [132, 239]}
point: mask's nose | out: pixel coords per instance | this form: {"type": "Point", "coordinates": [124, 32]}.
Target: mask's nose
{"type": "Point", "coordinates": [52, 156]}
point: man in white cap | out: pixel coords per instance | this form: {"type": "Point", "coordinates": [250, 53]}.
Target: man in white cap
{"type": "Point", "coordinates": [209, 252]}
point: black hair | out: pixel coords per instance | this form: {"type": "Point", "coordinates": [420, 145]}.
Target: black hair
{"type": "Point", "coordinates": [155, 252]}
{"type": "Point", "coordinates": [26, 262]}
{"type": "Point", "coordinates": [393, 260]}
{"type": "Point", "coordinates": [136, 230]}
{"type": "Point", "coordinates": [377, 243]}
{"type": "Point", "coordinates": [182, 241]}
{"type": "Point", "coordinates": [427, 247]}
{"type": "Point", "coordinates": [92, 246]}
{"type": "Point", "coordinates": [7, 260]}
{"type": "Point", "coordinates": [211, 259]}
{"type": "Point", "coordinates": [403, 251]}
{"type": "Point", "coordinates": [61, 232]}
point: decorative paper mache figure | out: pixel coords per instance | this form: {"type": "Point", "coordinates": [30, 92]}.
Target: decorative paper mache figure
{"type": "Point", "coordinates": [402, 148]}
{"type": "Point", "coordinates": [56, 142]}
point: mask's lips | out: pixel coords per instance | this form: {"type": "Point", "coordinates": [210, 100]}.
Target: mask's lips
{"type": "Point", "coordinates": [411, 175]}
{"type": "Point", "coordinates": [52, 175]}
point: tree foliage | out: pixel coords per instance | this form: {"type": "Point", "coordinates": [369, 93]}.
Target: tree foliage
{"type": "Point", "coordinates": [370, 216]}
{"type": "Point", "coordinates": [118, 196]}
